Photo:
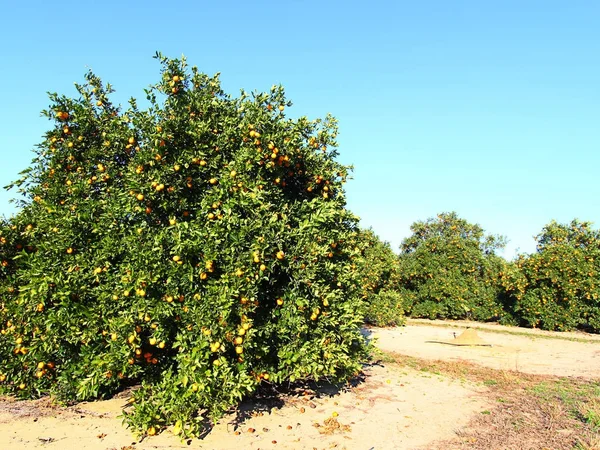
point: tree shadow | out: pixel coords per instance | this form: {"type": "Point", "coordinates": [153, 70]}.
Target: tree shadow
{"type": "Point", "coordinates": [270, 397]}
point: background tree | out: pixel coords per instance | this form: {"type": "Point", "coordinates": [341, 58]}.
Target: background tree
{"type": "Point", "coordinates": [200, 246]}
{"type": "Point", "coordinates": [449, 269]}
{"type": "Point", "coordinates": [378, 270]}
{"type": "Point", "coordinates": [558, 287]}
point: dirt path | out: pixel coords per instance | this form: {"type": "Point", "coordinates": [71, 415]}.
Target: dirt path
{"type": "Point", "coordinates": [394, 407]}
{"type": "Point", "coordinates": [389, 410]}
{"type": "Point", "coordinates": [529, 351]}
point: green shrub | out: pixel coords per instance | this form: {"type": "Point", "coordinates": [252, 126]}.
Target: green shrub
{"type": "Point", "coordinates": [200, 247]}
{"type": "Point", "coordinates": [385, 309]}
{"type": "Point", "coordinates": [558, 287]}
{"type": "Point", "coordinates": [378, 267]}
{"type": "Point", "coordinates": [451, 269]}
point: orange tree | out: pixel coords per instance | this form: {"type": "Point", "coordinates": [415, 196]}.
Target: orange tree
{"type": "Point", "coordinates": [199, 246]}
{"type": "Point", "coordinates": [558, 286]}
{"type": "Point", "coordinates": [449, 269]}
{"type": "Point", "coordinates": [378, 269]}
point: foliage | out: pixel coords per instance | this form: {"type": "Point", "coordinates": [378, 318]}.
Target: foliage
{"type": "Point", "coordinates": [558, 287]}
{"type": "Point", "coordinates": [385, 309]}
{"type": "Point", "coordinates": [378, 270]}
{"type": "Point", "coordinates": [450, 269]}
{"type": "Point", "coordinates": [199, 246]}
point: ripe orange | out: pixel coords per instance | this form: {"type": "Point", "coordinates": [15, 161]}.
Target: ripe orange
{"type": "Point", "coordinates": [140, 197]}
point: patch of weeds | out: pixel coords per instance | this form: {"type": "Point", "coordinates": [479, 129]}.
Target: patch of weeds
{"type": "Point", "coordinates": [531, 411]}
{"type": "Point", "coordinates": [379, 356]}
{"type": "Point", "coordinates": [590, 412]}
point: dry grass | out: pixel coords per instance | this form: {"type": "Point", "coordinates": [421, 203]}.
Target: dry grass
{"type": "Point", "coordinates": [528, 412]}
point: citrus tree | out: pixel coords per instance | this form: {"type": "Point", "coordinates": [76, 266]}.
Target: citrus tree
{"type": "Point", "coordinates": [449, 269]}
{"type": "Point", "coordinates": [198, 247]}
{"type": "Point", "coordinates": [378, 269]}
{"type": "Point", "coordinates": [558, 286]}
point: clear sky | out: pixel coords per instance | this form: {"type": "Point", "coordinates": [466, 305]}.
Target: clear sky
{"type": "Point", "coordinates": [487, 108]}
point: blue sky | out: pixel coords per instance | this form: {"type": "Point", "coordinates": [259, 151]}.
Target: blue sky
{"type": "Point", "coordinates": [487, 108]}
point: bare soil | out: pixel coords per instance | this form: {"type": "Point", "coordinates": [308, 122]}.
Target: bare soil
{"type": "Point", "coordinates": [511, 348]}
{"type": "Point", "coordinates": [420, 393]}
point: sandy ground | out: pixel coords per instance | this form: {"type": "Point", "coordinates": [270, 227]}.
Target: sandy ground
{"type": "Point", "coordinates": [392, 408]}
{"type": "Point", "coordinates": [530, 351]}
